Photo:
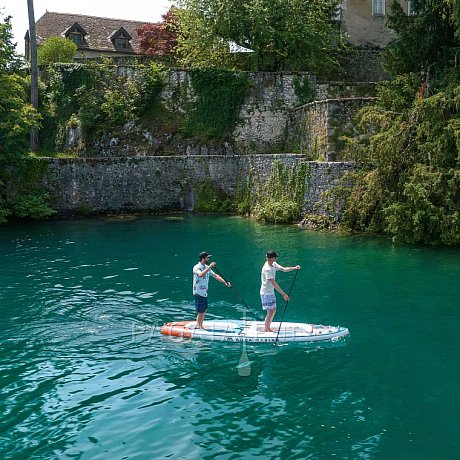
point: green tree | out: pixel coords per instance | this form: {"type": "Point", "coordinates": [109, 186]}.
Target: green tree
{"type": "Point", "coordinates": [17, 117]}
{"type": "Point", "coordinates": [428, 41]}
{"type": "Point", "coordinates": [282, 34]}
{"type": "Point", "coordinates": [9, 60]}
{"type": "Point", "coordinates": [56, 49]}
{"type": "Point", "coordinates": [409, 186]}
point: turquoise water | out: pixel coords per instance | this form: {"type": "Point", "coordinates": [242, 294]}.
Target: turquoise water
{"type": "Point", "coordinates": [86, 374]}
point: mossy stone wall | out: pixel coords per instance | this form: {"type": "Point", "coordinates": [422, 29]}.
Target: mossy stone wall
{"type": "Point", "coordinates": [161, 184]}
{"type": "Point", "coordinates": [315, 129]}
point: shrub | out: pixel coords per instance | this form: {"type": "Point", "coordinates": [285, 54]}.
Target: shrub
{"type": "Point", "coordinates": [56, 49]}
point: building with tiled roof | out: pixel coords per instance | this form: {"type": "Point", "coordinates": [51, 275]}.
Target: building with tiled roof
{"type": "Point", "coordinates": [363, 22]}
{"type": "Point", "coordinates": [94, 36]}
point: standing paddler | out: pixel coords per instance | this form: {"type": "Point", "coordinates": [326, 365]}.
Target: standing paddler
{"type": "Point", "coordinates": [268, 286]}
{"type": "Point", "coordinates": [201, 272]}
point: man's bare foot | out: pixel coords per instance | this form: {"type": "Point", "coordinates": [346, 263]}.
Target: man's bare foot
{"type": "Point", "coordinates": [269, 330]}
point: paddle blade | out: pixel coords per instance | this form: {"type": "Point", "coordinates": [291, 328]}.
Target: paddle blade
{"type": "Point", "coordinates": [244, 365]}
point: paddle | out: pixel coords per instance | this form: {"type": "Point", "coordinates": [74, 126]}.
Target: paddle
{"type": "Point", "coordinates": [236, 293]}
{"type": "Point", "coordinates": [285, 306]}
{"type": "Point", "coordinates": [244, 365]}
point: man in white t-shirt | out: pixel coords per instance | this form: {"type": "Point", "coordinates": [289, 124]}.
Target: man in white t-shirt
{"type": "Point", "coordinates": [201, 273]}
{"type": "Point", "coordinates": [268, 286]}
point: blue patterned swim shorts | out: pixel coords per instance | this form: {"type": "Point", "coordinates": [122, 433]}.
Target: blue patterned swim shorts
{"type": "Point", "coordinates": [268, 301]}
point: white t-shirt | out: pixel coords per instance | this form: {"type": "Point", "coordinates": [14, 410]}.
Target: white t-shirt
{"type": "Point", "coordinates": [268, 273]}
{"type": "Point", "coordinates": [200, 284]}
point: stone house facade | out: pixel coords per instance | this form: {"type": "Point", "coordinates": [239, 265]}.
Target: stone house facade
{"type": "Point", "coordinates": [363, 21]}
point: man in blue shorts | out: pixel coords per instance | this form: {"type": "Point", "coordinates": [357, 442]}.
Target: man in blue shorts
{"type": "Point", "coordinates": [268, 286]}
{"type": "Point", "coordinates": [201, 272]}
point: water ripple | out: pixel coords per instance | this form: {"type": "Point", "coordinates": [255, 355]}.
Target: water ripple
{"type": "Point", "coordinates": [85, 372]}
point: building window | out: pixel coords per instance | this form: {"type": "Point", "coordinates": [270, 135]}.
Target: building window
{"type": "Point", "coordinates": [410, 8]}
{"type": "Point", "coordinates": [121, 42]}
{"type": "Point", "coordinates": [378, 7]}
{"type": "Point", "coordinates": [77, 38]}
{"type": "Point", "coordinates": [121, 39]}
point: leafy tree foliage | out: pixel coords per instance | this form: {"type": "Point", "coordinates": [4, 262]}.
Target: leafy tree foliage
{"type": "Point", "coordinates": [9, 60]}
{"type": "Point", "coordinates": [56, 49]}
{"type": "Point", "coordinates": [17, 116]}
{"type": "Point", "coordinates": [409, 186]}
{"type": "Point", "coordinates": [92, 96]}
{"type": "Point", "coordinates": [427, 41]}
{"type": "Point", "coordinates": [282, 34]}
{"type": "Point", "coordinates": [159, 39]}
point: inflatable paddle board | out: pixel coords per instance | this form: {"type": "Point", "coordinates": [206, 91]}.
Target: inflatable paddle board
{"type": "Point", "coordinates": [253, 331]}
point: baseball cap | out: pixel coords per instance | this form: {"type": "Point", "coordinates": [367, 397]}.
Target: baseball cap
{"type": "Point", "coordinates": [203, 254]}
{"type": "Point", "coordinates": [271, 254]}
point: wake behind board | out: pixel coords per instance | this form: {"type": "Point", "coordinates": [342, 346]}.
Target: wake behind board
{"type": "Point", "coordinates": [253, 331]}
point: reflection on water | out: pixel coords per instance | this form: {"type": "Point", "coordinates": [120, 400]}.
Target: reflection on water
{"type": "Point", "coordinates": [85, 372]}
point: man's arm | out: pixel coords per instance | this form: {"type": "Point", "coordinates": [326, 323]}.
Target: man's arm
{"type": "Point", "coordinates": [202, 274]}
{"type": "Point", "coordinates": [215, 275]}
{"type": "Point", "coordinates": [219, 278]}
{"type": "Point", "coordinates": [277, 287]}
{"type": "Point", "coordinates": [288, 269]}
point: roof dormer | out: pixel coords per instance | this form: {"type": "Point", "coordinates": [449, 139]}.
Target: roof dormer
{"type": "Point", "coordinates": [121, 39]}
{"type": "Point", "coordinates": [76, 33]}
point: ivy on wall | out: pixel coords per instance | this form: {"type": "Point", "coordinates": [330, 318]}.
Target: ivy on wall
{"type": "Point", "coordinates": [244, 196]}
{"type": "Point", "coordinates": [279, 199]}
{"type": "Point", "coordinates": [26, 195]}
{"type": "Point", "coordinates": [219, 96]}
{"type": "Point", "coordinates": [92, 96]}
{"type": "Point", "coordinates": [210, 198]}
{"type": "Point", "coordinates": [304, 90]}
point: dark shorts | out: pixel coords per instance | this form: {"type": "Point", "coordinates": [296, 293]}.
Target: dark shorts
{"type": "Point", "coordinates": [201, 303]}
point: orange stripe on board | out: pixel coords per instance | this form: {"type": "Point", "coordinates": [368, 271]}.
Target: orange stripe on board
{"type": "Point", "coordinates": [176, 329]}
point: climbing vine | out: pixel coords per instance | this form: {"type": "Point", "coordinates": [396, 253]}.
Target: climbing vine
{"type": "Point", "coordinates": [280, 199]}
{"type": "Point", "coordinates": [219, 96]}
{"type": "Point", "coordinates": [303, 89]}
{"type": "Point", "coordinates": [27, 196]}
{"type": "Point", "coordinates": [211, 199]}
{"type": "Point", "coordinates": [96, 98]}
{"type": "Point", "coordinates": [244, 196]}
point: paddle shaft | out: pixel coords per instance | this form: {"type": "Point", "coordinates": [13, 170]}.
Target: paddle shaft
{"type": "Point", "coordinates": [236, 293]}
{"type": "Point", "coordinates": [285, 306]}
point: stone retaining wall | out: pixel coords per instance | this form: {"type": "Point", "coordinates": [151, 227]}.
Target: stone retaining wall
{"type": "Point", "coordinates": [271, 119]}
{"type": "Point", "coordinates": [315, 129]}
{"type": "Point", "coordinates": [260, 128]}
{"type": "Point", "coordinates": [159, 184]}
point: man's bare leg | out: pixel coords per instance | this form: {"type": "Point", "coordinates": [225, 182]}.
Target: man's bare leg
{"type": "Point", "coordinates": [268, 320]}
{"type": "Point", "coordinates": [199, 320]}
